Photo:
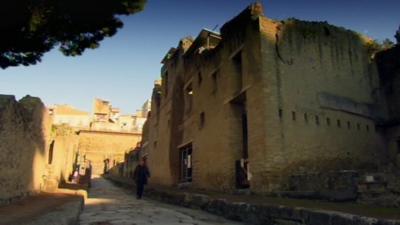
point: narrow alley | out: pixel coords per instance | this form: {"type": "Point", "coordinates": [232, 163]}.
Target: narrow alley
{"type": "Point", "coordinates": [111, 205]}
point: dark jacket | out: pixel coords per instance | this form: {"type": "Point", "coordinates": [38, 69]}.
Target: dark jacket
{"type": "Point", "coordinates": [141, 174]}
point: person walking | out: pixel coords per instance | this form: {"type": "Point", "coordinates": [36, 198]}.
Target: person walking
{"type": "Point", "coordinates": [141, 175]}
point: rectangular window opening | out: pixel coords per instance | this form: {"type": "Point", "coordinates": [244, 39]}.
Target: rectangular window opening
{"type": "Point", "coordinates": [317, 120]}
{"type": "Point", "coordinates": [339, 124]}
{"type": "Point", "coordinates": [215, 82]}
{"type": "Point", "coordinates": [188, 99]}
{"type": "Point", "coordinates": [166, 83]}
{"type": "Point", "coordinates": [202, 120]}
{"type": "Point", "coordinates": [199, 78]}
{"type": "Point", "coordinates": [293, 115]}
{"type": "Point", "coordinates": [238, 78]}
{"type": "Point", "coordinates": [328, 121]}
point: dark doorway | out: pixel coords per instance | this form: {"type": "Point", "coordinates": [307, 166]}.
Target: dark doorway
{"type": "Point", "coordinates": [240, 130]}
{"type": "Point", "coordinates": [186, 163]}
{"type": "Point", "coordinates": [51, 152]}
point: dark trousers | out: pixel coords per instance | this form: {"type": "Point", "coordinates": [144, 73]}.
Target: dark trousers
{"type": "Point", "coordinates": [139, 189]}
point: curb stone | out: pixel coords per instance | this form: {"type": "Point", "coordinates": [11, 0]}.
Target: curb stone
{"type": "Point", "coordinates": [259, 214]}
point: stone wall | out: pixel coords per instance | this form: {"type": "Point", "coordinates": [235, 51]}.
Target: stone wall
{"type": "Point", "coordinates": [323, 106]}
{"type": "Point", "coordinates": [24, 144]}
{"type": "Point", "coordinates": [98, 146]}
{"type": "Point", "coordinates": [63, 150]}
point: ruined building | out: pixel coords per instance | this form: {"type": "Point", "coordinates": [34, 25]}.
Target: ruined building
{"type": "Point", "coordinates": [66, 114]}
{"type": "Point", "coordinates": [267, 105]}
{"type": "Point", "coordinates": [25, 148]}
{"type": "Point", "coordinates": [40, 148]}
{"type": "Point", "coordinates": [105, 139]}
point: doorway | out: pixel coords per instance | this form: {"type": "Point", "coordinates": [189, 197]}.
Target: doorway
{"type": "Point", "coordinates": [186, 163]}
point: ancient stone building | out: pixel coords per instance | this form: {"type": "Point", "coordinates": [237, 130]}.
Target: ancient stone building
{"type": "Point", "coordinates": [105, 148]}
{"type": "Point", "coordinates": [24, 146]}
{"type": "Point", "coordinates": [263, 103]}
{"type": "Point", "coordinates": [66, 114]}
{"type": "Point", "coordinates": [101, 110]}
{"type": "Point", "coordinates": [106, 139]}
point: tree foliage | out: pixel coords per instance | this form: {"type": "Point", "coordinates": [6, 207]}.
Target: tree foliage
{"type": "Point", "coordinates": [397, 36]}
{"type": "Point", "coordinates": [31, 28]}
{"type": "Point", "coordinates": [387, 43]}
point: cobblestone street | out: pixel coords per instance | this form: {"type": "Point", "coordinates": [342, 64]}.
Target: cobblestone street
{"type": "Point", "coordinates": [111, 205]}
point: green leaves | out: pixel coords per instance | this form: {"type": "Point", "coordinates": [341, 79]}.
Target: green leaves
{"type": "Point", "coordinates": [30, 28]}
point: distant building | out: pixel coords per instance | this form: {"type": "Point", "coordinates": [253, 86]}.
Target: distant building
{"type": "Point", "coordinates": [66, 114]}
{"type": "Point", "coordinates": [107, 118]}
{"type": "Point", "coordinates": [104, 136]}
{"type": "Point", "coordinates": [101, 110]}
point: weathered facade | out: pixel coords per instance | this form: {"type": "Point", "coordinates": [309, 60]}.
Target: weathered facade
{"type": "Point", "coordinates": [66, 114]}
{"type": "Point", "coordinates": [104, 149]}
{"type": "Point", "coordinates": [264, 102]}
{"type": "Point", "coordinates": [24, 147]}
{"type": "Point", "coordinates": [102, 141]}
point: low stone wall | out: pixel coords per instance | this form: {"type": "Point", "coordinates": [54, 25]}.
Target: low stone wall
{"type": "Point", "coordinates": [256, 214]}
{"type": "Point", "coordinates": [332, 186]}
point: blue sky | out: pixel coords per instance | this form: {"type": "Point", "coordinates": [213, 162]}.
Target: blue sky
{"type": "Point", "coordinates": [125, 66]}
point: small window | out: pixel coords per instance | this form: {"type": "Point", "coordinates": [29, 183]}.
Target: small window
{"type": "Point", "coordinates": [189, 99]}
{"type": "Point", "coordinates": [199, 78]}
{"type": "Point", "coordinates": [293, 115]}
{"type": "Point", "coordinates": [339, 124]}
{"type": "Point", "coordinates": [237, 61]}
{"type": "Point", "coordinates": [166, 83]}
{"type": "Point", "coordinates": [202, 120]}
{"type": "Point", "coordinates": [367, 127]}
{"type": "Point", "coordinates": [238, 74]}
{"type": "Point", "coordinates": [317, 120]}
{"type": "Point", "coordinates": [328, 121]}
{"type": "Point", "coordinates": [358, 126]}
{"type": "Point", "coordinates": [189, 90]}
{"type": "Point", "coordinates": [155, 144]}
{"type": "Point", "coordinates": [348, 125]}
{"type": "Point", "coordinates": [280, 113]}
{"type": "Point", "coordinates": [306, 117]}
{"type": "Point", "coordinates": [215, 82]}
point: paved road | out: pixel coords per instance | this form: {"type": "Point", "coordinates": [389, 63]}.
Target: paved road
{"type": "Point", "coordinates": [111, 205]}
